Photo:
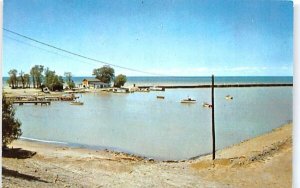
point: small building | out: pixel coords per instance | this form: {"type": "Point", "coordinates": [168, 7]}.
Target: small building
{"type": "Point", "coordinates": [93, 83]}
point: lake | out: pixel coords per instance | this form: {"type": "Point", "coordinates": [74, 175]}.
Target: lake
{"type": "Point", "coordinates": [163, 129]}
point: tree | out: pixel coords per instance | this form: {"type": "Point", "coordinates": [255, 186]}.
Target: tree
{"type": "Point", "coordinates": [13, 78]}
{"type": "Point", "coordinates": [49, 76]}
{"type": "Point", "coordinates": [11, 127]}
{"type": "Point", "coordinates": [69, 80]}
{"type": "Point", "coordinates": [21, 78]}
{"type": "Point", "coordinates": [105, 74]}
{"type": "Point", "coordinates": [120, 80]}
{"type": "Point", "coordinates": [37, 75]}
{"type": "Point", "coordinates": [27, 80]}
{"type": "Point", "coordinates": [58, 83]}
{"type": "Point", "coordinates": [53, 81]}
{"type": "Point", "coordinates": [32, 73]}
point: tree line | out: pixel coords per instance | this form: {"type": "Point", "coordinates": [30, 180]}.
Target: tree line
{"type": "Point", "coordinates": [39, 77]}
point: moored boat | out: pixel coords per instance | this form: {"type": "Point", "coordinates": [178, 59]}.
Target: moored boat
{"type": "Point", "coordinates": [188, 100]}
{"type": "Point", "coordinates": [76, 103]}
{"type": "Point", "coordinates": [120, 90]}
{"type": "Point", "coordinates": [160, 97]}
{"type": "Point", "coordinates": [206, 105]}
{"type": "Point", "coordinates": [155, 88]}
{"type": "Point", "coordinates": [228, 97]}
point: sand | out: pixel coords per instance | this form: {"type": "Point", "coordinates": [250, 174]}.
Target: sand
{"type": "Point", "coordinates": [264, 161]}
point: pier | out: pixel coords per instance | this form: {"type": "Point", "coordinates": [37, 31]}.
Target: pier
{"type": "Point", "coordinates": [32, 102]}
{"type": "Point", "coordinates": [222, 85]}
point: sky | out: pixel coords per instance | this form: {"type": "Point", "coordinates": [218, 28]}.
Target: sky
{"type": "Point", "coordinates": [167, 38]}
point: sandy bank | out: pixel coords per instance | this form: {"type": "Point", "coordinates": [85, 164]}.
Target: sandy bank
{"type": "Point", "coordinates": [28, 92]}
{"type": "Point", "coordinates": [265, 161]}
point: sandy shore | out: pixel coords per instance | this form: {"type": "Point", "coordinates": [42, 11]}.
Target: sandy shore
{"type": "Point", "coordinates": [28, 92]}
{"type": "Point", "coordinates": [265, 161]}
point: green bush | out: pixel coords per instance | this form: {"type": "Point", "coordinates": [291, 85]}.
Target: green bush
{"type": "Point", "coordinates": [120, 80]}
{"type": "Point", "coordinates": [11, 127]}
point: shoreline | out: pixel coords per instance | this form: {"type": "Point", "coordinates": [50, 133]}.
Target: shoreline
{"type": "Point", "coordinates": [48, 143]}
{"type": "Point", "coordinates": [60, 166]}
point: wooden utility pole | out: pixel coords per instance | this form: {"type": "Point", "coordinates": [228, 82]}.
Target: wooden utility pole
{"type": "Point", "coordinates": [213, 117]}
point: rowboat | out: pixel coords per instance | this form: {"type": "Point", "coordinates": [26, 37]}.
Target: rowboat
{"type": "Point", "coordinates": [160, 97]}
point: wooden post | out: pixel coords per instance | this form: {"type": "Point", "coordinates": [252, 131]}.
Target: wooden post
{"type": "Point", "coordinates": [213, 117]}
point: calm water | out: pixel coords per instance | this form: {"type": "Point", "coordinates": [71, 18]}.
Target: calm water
{"type": "Point", "coordinates": [175, 80]}
{"type": "Point", "coordinates": [162, 129]}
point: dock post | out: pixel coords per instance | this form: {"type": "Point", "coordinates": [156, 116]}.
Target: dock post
{"type": "Point", "coordinates": [213, 117]}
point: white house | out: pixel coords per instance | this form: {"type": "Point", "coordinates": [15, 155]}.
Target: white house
{"type": "Point", "coordinates": [93, 83]}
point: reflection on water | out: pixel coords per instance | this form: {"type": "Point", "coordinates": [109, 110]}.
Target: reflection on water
{"type": "Point", "coordinates": [140, 123]}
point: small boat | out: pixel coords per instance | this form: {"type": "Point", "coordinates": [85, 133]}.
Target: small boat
{"type": "Point", "coordinates": [76, 103]}
{"type": "Point", "coordinates": [155, 88]}
{"type": "Point", "coordinates": [188, 100]}
{"type": "Point", "coordinates": [160, 97]}
{"type": "Point", "coordinates": [121, 90]}
{"type": "Point", "coordinates": [228, 97]}
{"type": "Point", "coordinates": [206, 105]}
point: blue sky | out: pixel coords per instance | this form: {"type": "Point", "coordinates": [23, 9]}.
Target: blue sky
{"type": "Point", "coordinates": [170, 37]}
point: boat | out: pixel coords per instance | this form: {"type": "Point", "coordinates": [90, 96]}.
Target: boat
{"type": "Point", "coordinates": [206, 105]}
{"type": "Point", "coordinates": [160, 97]}
{"type": "Point", "coordinates": [76, 103]}
{"type": "Point", "coordinates": [188, 100]}
{"type": "Point", "coordinates": [228, 97]}
{"type": "Point", "coordinates": [155, 88]}
{"type": "Point", "coordinates": [120, 90]}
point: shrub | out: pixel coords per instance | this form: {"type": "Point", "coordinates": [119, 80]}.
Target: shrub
{"type": "Point", "coordinates": [11, 127]}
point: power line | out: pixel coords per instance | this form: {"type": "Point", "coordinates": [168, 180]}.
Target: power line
{"type": "Point", "coordinates": [52, 52]}
{"type": "Point", "coordinates": [78, 55]}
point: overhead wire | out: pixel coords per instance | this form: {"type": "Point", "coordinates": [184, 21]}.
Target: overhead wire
{"type": "Point", "coordinates": [78, 55]}
{"type": "Point", "coordinates": [48, 51]}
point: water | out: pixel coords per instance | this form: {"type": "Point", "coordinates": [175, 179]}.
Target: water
{"type": "Point", "coordinates": [177, 80]}
{"type": "Point", "coordinates": [141, 124]}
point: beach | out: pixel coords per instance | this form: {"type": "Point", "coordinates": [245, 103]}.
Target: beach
{"type": "Point", "coordinates": [147, 94]}
{"type": "Point", "coordinates": [264, 161]}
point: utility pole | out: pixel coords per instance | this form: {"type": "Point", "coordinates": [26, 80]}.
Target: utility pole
{"type": "Point", "coordinates": [213, 117]}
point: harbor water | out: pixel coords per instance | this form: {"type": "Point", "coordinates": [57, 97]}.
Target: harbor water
{"type": "Point", "coordinates": [163, 129]}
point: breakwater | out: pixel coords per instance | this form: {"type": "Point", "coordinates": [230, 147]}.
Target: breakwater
{"type": "Point", "coordinates": [222, 85]}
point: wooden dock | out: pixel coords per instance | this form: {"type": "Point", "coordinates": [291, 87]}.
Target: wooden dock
{"type": "Point", "coordinates": [32, 102]}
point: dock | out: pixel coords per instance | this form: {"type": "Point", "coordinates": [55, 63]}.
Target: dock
{"type": "Point", "coordinates": [32, 102]}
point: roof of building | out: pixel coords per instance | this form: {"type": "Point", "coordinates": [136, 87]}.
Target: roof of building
{"type": "Point", "coordinates": [91, 80]}
{"type": "Point", "coordinates": [95, 81]}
